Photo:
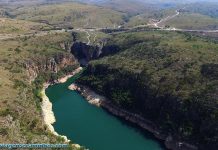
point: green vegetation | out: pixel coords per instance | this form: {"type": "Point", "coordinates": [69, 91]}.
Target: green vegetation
{"type": "Point", "coordinates": [13, 26]}
{"type": "Point", "coordinates": [96, 37]}
{"type": "Point", "coordinates": [20, 98]}
{"type": "Point", "coordinates": [145, 17]}
{"type": "Point", "coordinates": [193, 21]}
{"type": "Point", "coordinates": [70, 15]}
{"type": "Point", "coordinates": [209, 9]}
{"type": "Point", "coordinates": [167, 77]}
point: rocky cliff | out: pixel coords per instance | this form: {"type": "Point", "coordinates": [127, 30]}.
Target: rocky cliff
{"type": "Point", "coordinates": [85, 53]}
{"type": "Point", "coordinates": [51, 64]}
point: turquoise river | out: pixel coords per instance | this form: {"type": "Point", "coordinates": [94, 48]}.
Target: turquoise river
{"type": "Point", "coordinates": [93, 127]}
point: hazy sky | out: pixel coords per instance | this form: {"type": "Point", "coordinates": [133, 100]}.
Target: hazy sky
{"type": "Point", "coordinates": [161, 1]}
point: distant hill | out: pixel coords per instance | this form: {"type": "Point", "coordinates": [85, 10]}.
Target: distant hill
{"type": "Point", "coordinates": [69, 15]}
{"type": "Point", "coordinates": [209, 9]}
{"type": "Point", "coordinates": [200, 15]}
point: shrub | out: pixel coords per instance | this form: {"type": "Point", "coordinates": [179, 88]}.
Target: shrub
{"type": "Point", "coordinates": [17, 50]}
{"type": "Point", "coordinates": [3, 131]}
{"type": "Point", "coordinates": [5, 112]}
{"type": "Point", "coordinates": [210, 70]}
{"type": "Point", "coordinates": [19, 84]}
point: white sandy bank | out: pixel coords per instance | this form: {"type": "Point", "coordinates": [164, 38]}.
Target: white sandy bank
{"type": "Point", "coordinates": [64, 79]}
{"type": "Point", "coordinates": [48, 114]}
{"type": "Point", "coordinates": [46, 105]}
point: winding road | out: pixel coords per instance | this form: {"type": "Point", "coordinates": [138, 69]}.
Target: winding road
{"type": "Point", "coordinates": [166, 19]}
{"type": "Point", "coordinates": [88, 37]}
{"type": "Point", "coordinates": [158, 25]}
{"type": "Point", "coordinates": [177, 13]}
{"type": "Point", "coordinates": [87, 32]}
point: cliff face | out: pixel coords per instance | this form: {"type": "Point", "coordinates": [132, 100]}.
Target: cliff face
{"type": "Point", "coordinates": [85, 53]}
{"type": "Point", "coordinates": [48, 64]}
{"type": "Point", "coordinates": [66, 46]}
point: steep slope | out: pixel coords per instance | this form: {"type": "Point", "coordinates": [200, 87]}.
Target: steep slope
{"type": "Point", "coordinates": [193, 21]}
{"type": "Point", "coordinates": [166, 77]}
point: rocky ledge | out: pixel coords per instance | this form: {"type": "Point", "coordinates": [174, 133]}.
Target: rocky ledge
{"type": "Point", "coordinates": [101, 101]}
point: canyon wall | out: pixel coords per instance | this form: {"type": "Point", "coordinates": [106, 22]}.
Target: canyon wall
{"type": "Point", "coordinates": [52, 64]}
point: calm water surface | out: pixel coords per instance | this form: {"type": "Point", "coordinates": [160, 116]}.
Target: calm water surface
{"type": "Point", "coordinates": [93, 127]}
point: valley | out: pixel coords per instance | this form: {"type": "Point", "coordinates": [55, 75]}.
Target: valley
{"type": "Point", "coordinates": [152, 60]}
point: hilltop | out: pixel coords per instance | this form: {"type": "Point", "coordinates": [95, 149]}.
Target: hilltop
{"type": "Point", "coordinates": [69, 15]}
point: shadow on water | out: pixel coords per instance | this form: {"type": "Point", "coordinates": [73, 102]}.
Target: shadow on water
{"type": "Point", "coordinates": [95, 127]}
{"type": "Point", "coordinates": [138, 129]}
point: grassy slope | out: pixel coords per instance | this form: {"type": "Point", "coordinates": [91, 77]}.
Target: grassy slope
{"type": "Point", "coordinates": [209, 9]}
{"type": "Point", "coordinates": [193, 21]}
{"type": "Point", "coordinates": [145, 18]}
{"type": "Point", "coordinates": [81, 15]}
{"type": "Point", "coordinates": [70, 14]}
{"type": "Point", "coordinates": [13, 26]}
{"type": "Point", "coordinates": [20, 103]}
{"type": "Point", "coordinates": [95, 37]}
{"type": "Point", "coordinates": [17, 100]}
{"type": "Point", "coordinates": [128, 6]}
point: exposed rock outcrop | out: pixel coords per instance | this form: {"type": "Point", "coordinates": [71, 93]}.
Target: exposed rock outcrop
{"type": "Point", "coordinates": [66, 46]}
{"type": "Point", "coordinates": [84, 53]}
{"type": "Point", "coordinates": [53, 64]}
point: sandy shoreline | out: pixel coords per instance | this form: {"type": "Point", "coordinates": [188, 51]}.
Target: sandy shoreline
{"type": "Point", "coordinates": [46, 105]}
{"type": "Point", "coordinates": [64, 79]}
{"type": "Point", "coordinates": [48, 114]}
